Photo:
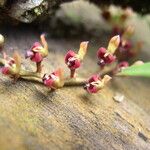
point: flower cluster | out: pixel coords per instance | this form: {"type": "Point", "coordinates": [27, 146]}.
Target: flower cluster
{"type": "Point", "coordinates": [39, 51]}
{"type": "Point", "coordinates": [117, 18]}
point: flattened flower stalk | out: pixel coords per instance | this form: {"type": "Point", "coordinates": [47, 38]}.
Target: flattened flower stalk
{"type": "Point", "coordinates": [73, 60]}
{"type": "Point", "coordinates": [12, 66]}
{"type": "Point", "coordinates": [106, 56]}
{"type": "Point", "coordinates": [38, 52]}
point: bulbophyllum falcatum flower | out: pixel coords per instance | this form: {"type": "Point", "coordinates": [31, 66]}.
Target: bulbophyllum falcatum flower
{"type": "Point", "coordinates": [73, 60]}
{"type": "Point", "coordinates": [96, 83]}
{"type": "Point", "coordinates": [55, 80]}
{"type": "Point", "coordinates": [106, 56]}
{"type": "Point", "coordinates": [38, 51]}
{"type": "Point", "coordinates": [12, 65]}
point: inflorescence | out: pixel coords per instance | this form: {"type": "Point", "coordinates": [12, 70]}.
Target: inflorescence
{"type": "Point", "coordinates": [13, 68]}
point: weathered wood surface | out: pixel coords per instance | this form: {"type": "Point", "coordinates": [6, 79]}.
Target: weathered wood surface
{"type": "Point", "coordinates": [32, 118]}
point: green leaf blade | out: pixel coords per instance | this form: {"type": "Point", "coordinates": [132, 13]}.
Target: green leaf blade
{"type": "Point", "coordinates": [136, 70]}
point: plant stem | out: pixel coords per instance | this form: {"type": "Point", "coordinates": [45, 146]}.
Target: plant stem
{"type": "Point", "coordinates": [72, 81]}
{"type": "Point", "coordinates": [75, 81]}
{"type": "Point", "coordinates": [108, 69]}
{"type": "Point", "coordinates": [38, 67]}
{"type": "Point", "coordinates": [72, 73]}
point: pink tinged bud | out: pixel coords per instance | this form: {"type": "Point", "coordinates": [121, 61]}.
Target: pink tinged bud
{"type": "Point", "coordinates": [29, 54]}
{"type": "Point", "coordinates": [72, 61]}
{"type": "Point", "coordinates": [101, 52]}
{"type": "Point", "coordinates": [94, 78]}
{"type": "Point", "coordinates": [109, 59]}
{"type": "Point", "coordinates": [69, 54]}
{"type": "Point", "coordinates": [5, 70]}
{"type": "Point", "coordinates": [35, 45]}
{"type": "Point", "coordinates": [37, 57]}
{"type": "Point", "coordinates": [123, 64]}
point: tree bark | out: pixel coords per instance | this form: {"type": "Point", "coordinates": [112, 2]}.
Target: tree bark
{"type": "Point", "coordinates": [32, 117]}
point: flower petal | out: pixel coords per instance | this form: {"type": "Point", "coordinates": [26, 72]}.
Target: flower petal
{"type": "Point", "coordinates": [83, 49]}
{"type": "Point", "coordinates": [37, 57]}
{"type": "Point", "coordinates": [69, 54]}
{"type": "Point", "coordinates": [113, 44]}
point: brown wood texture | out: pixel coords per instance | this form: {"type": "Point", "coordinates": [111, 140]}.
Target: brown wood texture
{"type": "Point", "coordinates": [33, 118]}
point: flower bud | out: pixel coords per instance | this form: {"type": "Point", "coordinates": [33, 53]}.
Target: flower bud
{"type": "Point", "coordinates": [101, 52]}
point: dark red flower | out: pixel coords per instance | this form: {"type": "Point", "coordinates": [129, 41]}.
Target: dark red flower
{"type": "Point", "coordinates": [105, 57]}
{"type": "Point", "coordinates": [72, 60]}
{"type": "Point", "coordinates": [54, 80]}
{"type": "Point", "coordinates": [90, 87]}
{"type": "Point", "coordinates": [95, 83]}
{"type": "Point", "coordinates": [12, 65]}
{"type": "Point", "coordinates": [38, 51]}
{"type": "Point", "coordinates": [101, 52]}
{"type": "Point", "coordinates": [5, 70]}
